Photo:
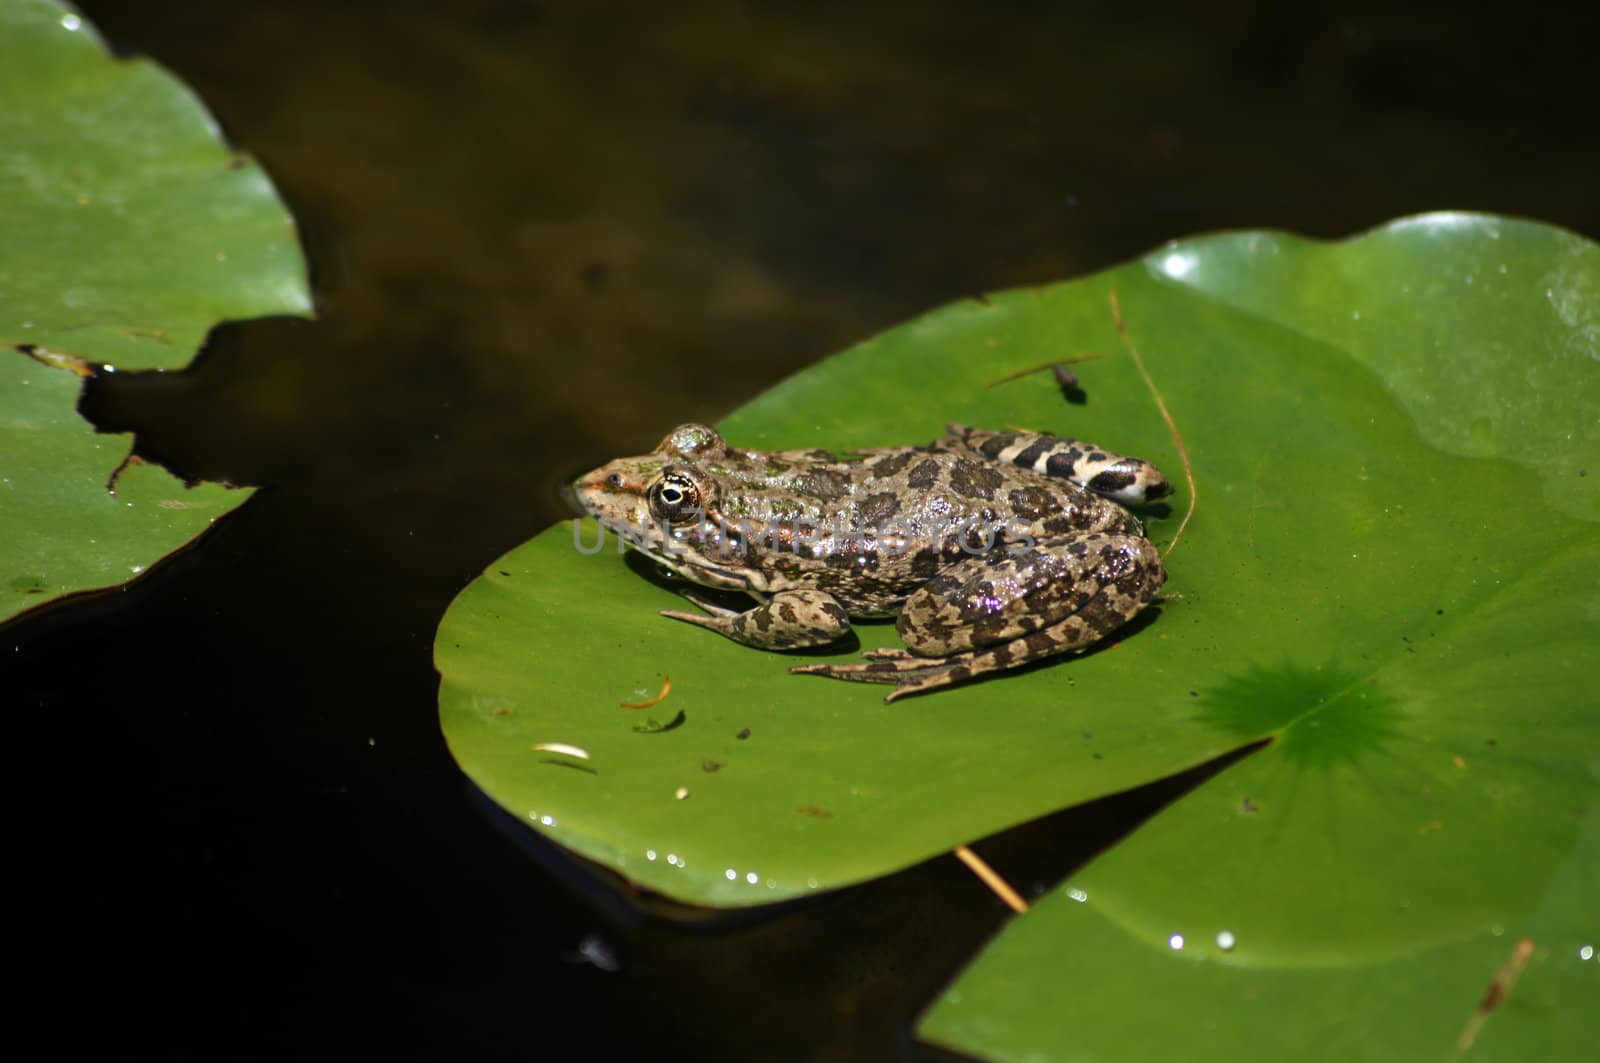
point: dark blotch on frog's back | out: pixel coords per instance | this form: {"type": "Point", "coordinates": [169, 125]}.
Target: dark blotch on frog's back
{"type": "Point", "coordinates": [824, 484]}
{"type": "Point", "coordinates": [974, 479]}
{"type": "Point", "coordinates": [925, 474]}
{"type": "Point", "coordinates": [1032, 503]}
{"type": "Point", "coordinates": [893, 464]}
{"type": "Point", "coordinates": [877, 508]}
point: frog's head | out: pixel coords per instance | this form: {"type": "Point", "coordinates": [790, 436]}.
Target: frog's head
{"type": "Point", "coordinates": [665, 504]}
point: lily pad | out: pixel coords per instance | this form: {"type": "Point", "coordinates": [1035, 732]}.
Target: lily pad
{"type": "Point", "coordinates": [62, 527]}
{"type": "Point", "coordinates": [1409, 867]}
{"type": "Point", "coordinates": [1375, 587]}
{"type": "Point", "coordinates": [1075, 979]}
{"type": "Point", "coordinates": [130, 229]}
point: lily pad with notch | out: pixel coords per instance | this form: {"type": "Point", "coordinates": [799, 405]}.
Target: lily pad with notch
{"type": "Point", "coordinates": [130, 230]}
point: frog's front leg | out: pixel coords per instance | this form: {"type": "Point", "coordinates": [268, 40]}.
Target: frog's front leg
{"type": "Point", "coordinates": [788, 620]}
{"type": "Point", "coordinates": [994, 612]}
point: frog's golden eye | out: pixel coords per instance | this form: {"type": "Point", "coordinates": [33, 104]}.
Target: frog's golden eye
{"type": "Point", "coordinates": [676, 498]}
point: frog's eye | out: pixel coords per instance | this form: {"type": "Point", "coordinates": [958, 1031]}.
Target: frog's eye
{"type": "Point", "coordinates": [676, 498]}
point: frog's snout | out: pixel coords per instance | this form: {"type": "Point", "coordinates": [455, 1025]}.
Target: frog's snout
{"type": "Point", "coordinates": [588, 492]}
{"type": "Point", "coordinates": [570, 498]}
{"type": "Point", "coordinates": [607, 493]}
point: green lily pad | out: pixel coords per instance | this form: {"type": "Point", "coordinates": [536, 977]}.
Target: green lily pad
{"type": "Point", "coordinates": [129, 227]}
{"type": "Point", "coordinates": [1373, 586]}
{"type": "Point", "coordinates": [63, 530]}
{"type": "Point", "coordinates": [1072, 979]}
{"type": "Point", "coordinates": [129, 230]}
{"type": "Point", "coordinates": [1419, 838]}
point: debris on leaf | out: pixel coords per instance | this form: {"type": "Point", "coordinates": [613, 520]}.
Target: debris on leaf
{"type": "Point", "coordinates": [666, 688]}
{"type": "Point", "coordinates": [1505, 979]}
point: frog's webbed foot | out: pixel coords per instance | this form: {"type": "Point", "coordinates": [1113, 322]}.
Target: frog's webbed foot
{"type": "Point", "coordinates": [790, 620]}
{"type": "Point", "coordinates": [911, 674]}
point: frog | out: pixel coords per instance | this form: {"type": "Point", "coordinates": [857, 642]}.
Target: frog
{"type": "Point", "coordinates": [989, 549]}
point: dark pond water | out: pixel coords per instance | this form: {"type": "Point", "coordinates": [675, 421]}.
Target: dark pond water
{"type": "Point", "coordinates": [542, 234]}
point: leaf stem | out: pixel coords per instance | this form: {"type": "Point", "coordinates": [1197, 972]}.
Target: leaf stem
{"type": "Point", "coordinates": [989, 877]}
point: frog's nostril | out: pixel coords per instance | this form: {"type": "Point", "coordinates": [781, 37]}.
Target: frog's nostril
{"type": "Point", "coordinates": [615, 479]}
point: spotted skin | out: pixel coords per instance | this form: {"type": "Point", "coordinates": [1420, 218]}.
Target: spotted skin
{"type": "Point", "coordinates": [978, 617]}
{"type": "Point", "coordinates": [992, 549]}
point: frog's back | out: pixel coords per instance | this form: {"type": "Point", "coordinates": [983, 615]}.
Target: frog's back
{"type": "Point", "coordinates": [871, 527]}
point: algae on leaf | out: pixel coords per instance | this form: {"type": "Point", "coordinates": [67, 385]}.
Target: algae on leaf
{"type": "Point", "coordinates": [127, 230]}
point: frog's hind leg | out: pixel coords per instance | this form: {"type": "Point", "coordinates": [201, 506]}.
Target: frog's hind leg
{"type": "Point", "coordinates": [1131, 481]}
{"type": "Point", "coordinates": [1099, 584]}
{"type": "Point", "coordinates": [911, 674]}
